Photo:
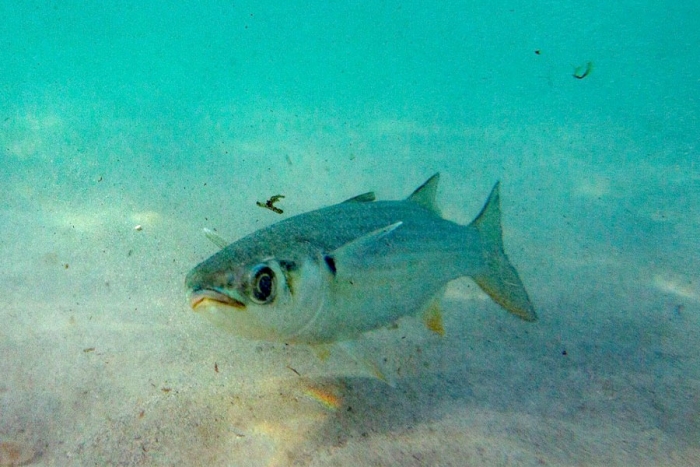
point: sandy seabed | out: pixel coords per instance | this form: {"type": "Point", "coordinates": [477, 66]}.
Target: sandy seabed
{"type": "Point", "coordinates": [103, 363]}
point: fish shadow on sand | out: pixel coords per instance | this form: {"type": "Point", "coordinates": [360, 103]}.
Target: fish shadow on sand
{"type": "Point", "coordinates": [498, 391]}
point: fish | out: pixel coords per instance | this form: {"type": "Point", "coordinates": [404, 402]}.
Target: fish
{"type": "Point", "coordinates": [333, 274]}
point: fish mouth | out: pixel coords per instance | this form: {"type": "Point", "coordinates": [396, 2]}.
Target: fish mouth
{"type": "Point", "coordinates": [212, 297]}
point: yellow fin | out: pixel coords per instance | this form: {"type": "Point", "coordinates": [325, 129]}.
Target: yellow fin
{"type": "Point", "coordinates": [433, 318]}
{"type": "Point", "coordinates": [322, 351]}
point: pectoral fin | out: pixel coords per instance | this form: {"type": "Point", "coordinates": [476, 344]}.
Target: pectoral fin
{"type": "Point", "coordinates": [369, 365]}
{"type": "Point", "coordinates": [351, 350]}
{"type": "Point", "coordinates": [215, 238]}
{"type": "Point", "coordinates": [354, 254]}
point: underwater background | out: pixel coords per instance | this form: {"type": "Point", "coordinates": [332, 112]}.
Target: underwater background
{"type": "Point", "coordinates": [126, 127]}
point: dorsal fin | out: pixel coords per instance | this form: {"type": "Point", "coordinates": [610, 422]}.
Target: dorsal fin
{"type": "Point", "coordinates": [426, 194]}
{"type": "Point", "coordinates": [363, 198]}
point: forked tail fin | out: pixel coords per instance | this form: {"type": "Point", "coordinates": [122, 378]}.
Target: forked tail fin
{"type": "Point", "coordinates": [498, 278]}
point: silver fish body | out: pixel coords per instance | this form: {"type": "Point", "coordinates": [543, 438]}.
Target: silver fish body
{"type": "Point", "coordinates": [331, 274]}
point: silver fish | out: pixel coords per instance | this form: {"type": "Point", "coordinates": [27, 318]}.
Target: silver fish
{"type": "Point", "coordinates": [332, 274]}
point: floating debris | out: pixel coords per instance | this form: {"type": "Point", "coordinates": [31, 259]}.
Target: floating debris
{"type": "Point", "coordinates": [582, 71]}
{"type": "Point", "coordinates": [270, 204]}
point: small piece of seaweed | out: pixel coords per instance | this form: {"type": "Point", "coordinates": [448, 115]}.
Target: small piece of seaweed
{"type": "Point", "coordinates": [270, 204]}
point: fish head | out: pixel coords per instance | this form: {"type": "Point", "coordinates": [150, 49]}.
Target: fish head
{"type": "Point", "coordinates": [261, 294]}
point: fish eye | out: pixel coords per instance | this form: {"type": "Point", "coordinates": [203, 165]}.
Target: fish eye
{"type": "Point", "coordinates": [262, 284]}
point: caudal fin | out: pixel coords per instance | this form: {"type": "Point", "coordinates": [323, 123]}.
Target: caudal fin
{"type": "Point", "coordinates": [499, 279]}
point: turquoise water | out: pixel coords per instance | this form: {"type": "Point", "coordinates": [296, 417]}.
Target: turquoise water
{"type": "Point", "coordinates": [172, 118]}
